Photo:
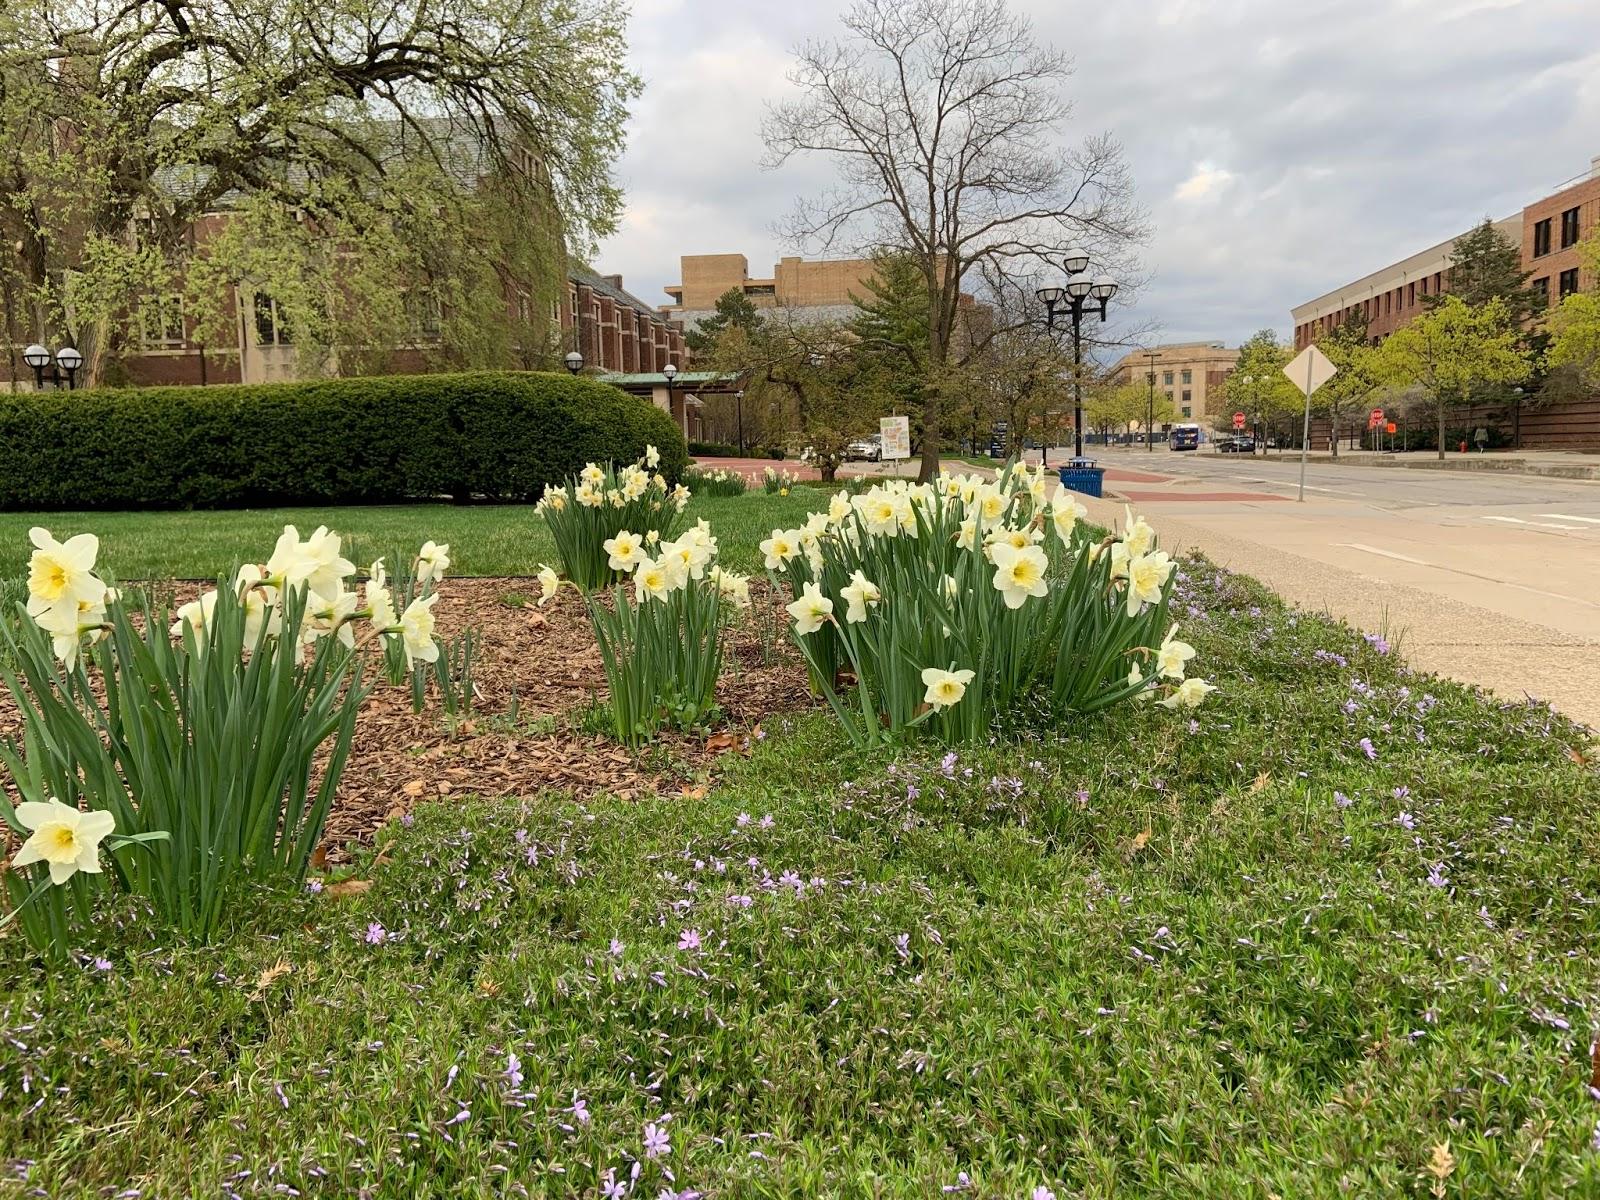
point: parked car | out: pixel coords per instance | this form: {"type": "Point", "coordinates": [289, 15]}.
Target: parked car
{"type": "Point", "coordinates": [1241, 444]}
{"type": "Point", "coordinates": [869, 449]}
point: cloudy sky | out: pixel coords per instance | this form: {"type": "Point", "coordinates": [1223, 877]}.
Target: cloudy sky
{"type": "Point", "coordinates": [1282, 147]}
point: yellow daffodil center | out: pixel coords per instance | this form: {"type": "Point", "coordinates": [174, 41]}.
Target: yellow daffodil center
{"type": "Point", "coordinates": [47, 578]}
{"type": "Point", "coordinates": [61, 843]}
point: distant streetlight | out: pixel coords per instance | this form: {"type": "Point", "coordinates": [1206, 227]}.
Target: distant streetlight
{"type": "Point", "coordinates": [67, 360]}
{"type": "Point", "coordinates": [671, 372]}
{"type": "Point", "coordinates": [738, 406]}
{"type": "Point", "coordinates": [574, 361]}
{"type": "Point", "coordinates": [1073, 301]}
{"type": "Point", "coordinates": [1150, 408]}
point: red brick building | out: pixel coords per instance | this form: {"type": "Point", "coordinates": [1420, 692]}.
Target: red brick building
{"type": "Point", "coordinates": [614, 330]}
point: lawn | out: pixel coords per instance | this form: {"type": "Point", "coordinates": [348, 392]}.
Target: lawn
{"type": "Point", "coordinates": [1332, 936]}
{"type": "Point", "coordinates": [484, 539]}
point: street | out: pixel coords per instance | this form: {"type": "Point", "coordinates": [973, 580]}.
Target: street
{"type": "Point", "coordinates": [1489, 577]}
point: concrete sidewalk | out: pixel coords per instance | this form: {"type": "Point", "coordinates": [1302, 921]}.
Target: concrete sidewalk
{"type": "Point", "coordinates": [1548, 464]}
{"type": "Point", "coordinates": [1510, 657]}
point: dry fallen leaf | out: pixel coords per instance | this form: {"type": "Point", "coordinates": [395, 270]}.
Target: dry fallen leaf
{"type": "Point", "coordinates": [414, 788]}
{"type": "Point", "coordinates": [319, 859]}
{"type": "Point", "coordinates": [270, 976]}
{"type": "Point", "coordinates": [1139, 841]}
{"type": "Point", "coordinates": [693, 793]}
{"type": "Point", "coordinates": [1577, 756]}
{"type": "Point", "coordinates": [348, 887]}
{"type": "Point", "coordinates": [1260, 782]}
{"type": "Point", "coordinates": [718, 742]}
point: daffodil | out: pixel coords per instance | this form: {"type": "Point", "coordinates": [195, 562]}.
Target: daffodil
{"type": "Point", "coordinates": [652, 457]}
{"type": "Point", "coordinates": [1019, 574]}
{"type": "Point", "coordinates": [945, 687]}
{"type": "Point", "coordinates": [64, 837]}
{"type": "Point", "coordinates": [592, 474]}
{"type": "Point", "coordinates": [549, 584]}
{"type": "Point", "coordinates": [1137, 676]}
{"type": "Point", "coordinates": [416, 631]}
{"type": "Point", "coordinates": [734, 588]}
{"type": "Point", "coordinates": [380, 608]}
{"type": "Point", "coordinates": [1189, 694]}
{"type": "Point", "coordinates": [1173, 657]}
{"type": "Point", "coordinates": [653, 580]}
{"type": "Point", "coordinates": [1136, 533]}
{"type": "Point", "coordinates": [780, 548]}
{"type": "Point", "coordinates": [1147, 575]}
{"type": "Point", "coordinates": [1065, 513]}
{"type": "Point", "coordinates": [197, 615]}
{"type": "Point", "coordinates": [811, 610]}
{"type": "Point", "coordinates": [433, 560]}
{"type": "Point", "coordinates": [67, 627]}
{"type": "Point", "coordinates": [61, 574]}
{"type": "Point", "coordinates": [859, 593]}
{"type": "Point", "coordinates": [625, 551]}
{"type": "Point", "coordinates": [839, 508]}
{"type": "Point", "coordinates": [259, 600]}
{"type": "Point", "coordinates": [588, 495]}
{"type": "Point", "coordinates": [315, 562]}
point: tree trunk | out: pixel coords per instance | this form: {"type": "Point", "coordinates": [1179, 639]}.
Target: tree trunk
{"type": "Point", "coordinates": [1441, 428]}
{"type": "Point", "coordinates": [1333, 435]}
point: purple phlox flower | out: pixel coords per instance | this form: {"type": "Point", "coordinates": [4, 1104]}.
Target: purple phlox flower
{"type": "Point", "coordinates": [1194, 726]}
{"type": "Point", "coordinates": [376, 933]}
{"type": "Point", "coordinates": [742, 820]}
{"type": "Point", "coordinates": [611, 1188]}
{"type": "Point", "coordinates": [1043, 1193]}
{"type": "Point", "coordinates": [1436, 876]}
{"type": "Point", "coordinates": [1350, 707]}
{"type": "Point", "coordinates": [962, 1183]}
{"type": "Point", "coordinates": [513, 1069]}
{"type": "Point", "coordinates": [1083, 797]}
{"type": "Point", "coordinates": [902, 946]}
{"type": "Point", "coordinates": [579, 1109]}
{"type": "Point", "coordinates": [1377, 642]}
{"type": "Point", "coordinates": [461, 1118]}
{"type": "Point", "coordinates": [313, 886]}
{"type": "Point", "coordinates": [1343, 801]}
{"type": "Point", "coordinates": [689, 939]}
{"type": "Point", "coordinates": [1368, 748]}
{"type": "Point", "coordinates": [522, 837]}
{"type": "Point", "coordinates": [947, 764]}
{"type": "Point", "coordinates": [766, 821]}
{"type": "Point", "coordinates": [792, 879]}
{"type": "Point", "coordinates": [911, 791]}
{"type": "Point", "coordinates": [1406, 821]}
{"type": "Point", "coordinates": [617, 948]}
{"type": "Point", "coordinates": [656, 1142]}
{"type": "Point", "coordinates": [1401, 792]}
{"type": "Point", "coordinates": [101, 963]}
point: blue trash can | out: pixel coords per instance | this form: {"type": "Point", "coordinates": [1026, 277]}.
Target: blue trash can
{"type": "Point", "coordinates": [1081, 475]}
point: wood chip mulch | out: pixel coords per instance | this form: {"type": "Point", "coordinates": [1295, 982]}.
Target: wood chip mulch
{"type": "Point", "coordinates": [536, 671]}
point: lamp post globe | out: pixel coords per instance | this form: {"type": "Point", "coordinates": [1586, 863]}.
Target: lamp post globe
{"type": "Point", "coordinates": [573, 361]}
{"type": "Point", "coordinates": [670, 371]}
{"type": "Point", "coordinates": [1079, 286]}
{"type": "Point", "coordinates": [36, 356]}
{"type": "Point", "coordinates": [1076, 260]}
{"type": "Point", "coordinates": [68, 359]}
{"type": "Point", "coordinates": [1049, 296]}
{"type": "Point", "coordinates": [1104, 288]}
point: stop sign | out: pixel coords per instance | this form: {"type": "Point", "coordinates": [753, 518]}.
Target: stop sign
{"type": "Point", "coordinates": [1238, 420]}
{"type": "Point", "coordinates": [1375, 418]}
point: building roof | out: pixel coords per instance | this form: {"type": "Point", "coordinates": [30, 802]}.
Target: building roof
{"type": "Point", "coordinates": [579, 273]}
{"type": "Point", "coordinates": [657, 379]}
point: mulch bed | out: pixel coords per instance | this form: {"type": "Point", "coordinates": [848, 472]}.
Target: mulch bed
{"type": "Point", "coordinates": [536, 670]}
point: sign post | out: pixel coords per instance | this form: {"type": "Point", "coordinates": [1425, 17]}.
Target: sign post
{"type": "Point", "coordinates": [1238, 420]}
{"type": "Point", "coordinates": [1309, 371]}
{"type": "Point", "coordinates": [896, 435]}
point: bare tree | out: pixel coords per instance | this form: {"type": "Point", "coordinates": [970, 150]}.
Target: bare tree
{"type": "Point", "coordinates": [945, 119]}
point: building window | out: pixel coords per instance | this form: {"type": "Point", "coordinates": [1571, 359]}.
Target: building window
{"type": "Point", "coordinates": [1188, 377]}
{"type": "Point", "coordinates": [1541, 238]}
{"type": "Point", "coordinates": [1541, 290]}
{"type": "Point", "coordinates": [1569, 283]}
{"type": "Point", "coordinates": [1187, 398]}
{"type": "Point", "coordinates": [1569, 228]}
{"type": "Point", "coordinates": [1411, 295]}
{"type": "Point", "coordinates": [161, 323]}
{"type": "Point", "coordinates": [760, 289]}
{"type": "Point", "coordinates": [1388, 303]}
{"type": "Point", "coordinates": [272, 324]}
{"type": "Point", "coordinates": [1166, 378]}
{"type": "Point", "coordinates": [1186, 411]}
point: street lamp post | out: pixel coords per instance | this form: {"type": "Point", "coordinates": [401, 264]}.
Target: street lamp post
{"type": "Point", "coordinates": [67, 359]}
{"type": "Point", "coordinates": [671, 372]}
{"type": "Point", "coordinates": [738, 409]}
{"type": "Point", "coordinates": [1074, 300]}
{"type": "Point", "coordinates": [1150, 406]}
{"type": "Point", "coordinates": [573, 361]}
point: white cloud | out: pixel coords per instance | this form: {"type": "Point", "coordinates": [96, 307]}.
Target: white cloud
{"type": "Point", "coordinates": [1204, 183]}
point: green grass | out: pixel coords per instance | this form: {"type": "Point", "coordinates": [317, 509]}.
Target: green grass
{"type": "Point", "coordinates": [1128, 956]}
{"type": "Point", "coordinates": [483, 539]}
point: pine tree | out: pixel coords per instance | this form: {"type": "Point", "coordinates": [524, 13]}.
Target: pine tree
{"type": "Point", "coordinates": [733, 309]}
{"type": "Point", "coordinates": [1485, 265]}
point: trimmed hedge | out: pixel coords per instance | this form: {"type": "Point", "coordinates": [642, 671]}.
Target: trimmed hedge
{"type": "Point", "coordinates": [497, 435]}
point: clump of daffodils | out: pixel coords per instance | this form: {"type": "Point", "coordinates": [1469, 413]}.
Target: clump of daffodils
{"type": "Point", "coordinates": [598, 503]}
{"type": "Point", "coordinates": [659, 631]}
{"type": "Point", "coordinates": [948, 600]}
{"type": "Point", "coordinates": [779, 481]}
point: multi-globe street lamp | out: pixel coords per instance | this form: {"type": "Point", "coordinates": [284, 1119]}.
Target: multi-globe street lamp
{"type": "Point", "coordinates": [1079, 296]}
{"type": "Point", "coordinates": [1150, 407]}
{"type": "Point", "coordinates": [67, 360]}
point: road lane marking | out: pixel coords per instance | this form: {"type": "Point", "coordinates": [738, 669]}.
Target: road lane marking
{"type": "Point", "coordinates": [1385, 553]}
{"type": "Point", "coordinates": [1572, 517]}
{"type": "Point", "coordinates": [1521, 587]}
{"type": "Point", "coordinates": [1534, 524]}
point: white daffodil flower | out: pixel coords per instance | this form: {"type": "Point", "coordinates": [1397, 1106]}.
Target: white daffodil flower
{"type": "Point", "coordinates": [1189, 694]}
{"type": "Point", "coordinates": [811, 610]}
{"type": "Point", "coordinates": [625, 551]}
{"type": "Point", "coordinates": [1173, 657]}
{"type": "Point", "coordinates": [64, 837]}
{"type": "Point", "coordinates": [1019, 574]}
{"type": "Point", "coordinates": [416, 631]}
{"type": "Point", "coordinates": [859, 593]}
{"type": "Point", "coordinates": [945, 687]}
{"type": "Point", "coordinates": [433, 560]}
{"type": "Point", "coordinates": [1147, 575]}
{"type": "Point", "coordinates": [61, 574]}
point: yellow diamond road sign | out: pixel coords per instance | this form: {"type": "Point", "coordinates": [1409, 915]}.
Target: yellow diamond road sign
{"type": "Point", "coordinates": [1310, 369]}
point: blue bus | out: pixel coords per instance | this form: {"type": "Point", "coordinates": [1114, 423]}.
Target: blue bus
{"type": "Point", "coordinates": [1185, 437]}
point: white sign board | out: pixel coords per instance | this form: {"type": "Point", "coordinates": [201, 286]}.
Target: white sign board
{"type": "Point", "coordinates": [1310, 369]}
{"type": "Point", "coordinates": [896, 434]}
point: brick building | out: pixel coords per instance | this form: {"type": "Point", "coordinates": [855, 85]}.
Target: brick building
{"type": "Point", "coordinates": [1188, 373]}
{"type": "Point", "coordinates": [823, 287]}
{"type": "Point", "coordinates": [614, 330]}
{"type": "Point", "coordinates": [1548, 230]}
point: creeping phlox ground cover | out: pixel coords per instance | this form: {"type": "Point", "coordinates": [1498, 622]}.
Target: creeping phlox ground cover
{"type": "Point", "coordinates": [601, 502]}
{"type": "Point", "coordinates": [950, 602]}
{"type": "Point", "coordinates": [187, 744]}
{"type": "Point", "coordinates": [1328, 935]}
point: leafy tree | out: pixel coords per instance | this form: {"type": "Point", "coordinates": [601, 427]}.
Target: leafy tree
{"type": "Point", "coordinates": [1344, 397]}
{"type": "Point", "coordinates": [944, 117]}
{"type": "Point", "coordinates": [375, 160]}
{"type": "Point", "coordinates": [1486, 265]}
{"type": "Point", "coordinates": [1110, 405]}
{"type": "Point", "coordinates": [1449, 352]}
{"type": "Point", "coordinates": [1257, 385]}
{"type": "Point", "coordinates": [1574, 349]}
{"type": "Point", "coordinates": [733, 310]}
